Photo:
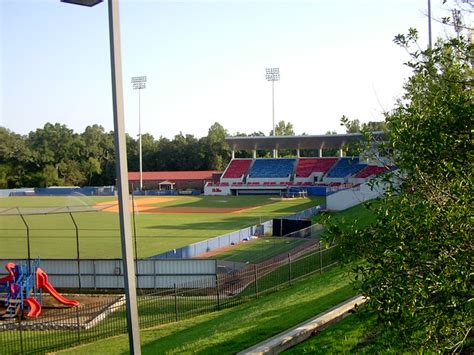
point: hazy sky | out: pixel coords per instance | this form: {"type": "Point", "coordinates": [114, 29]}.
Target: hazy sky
{"type": "Point", "coordinates": [205, 62]}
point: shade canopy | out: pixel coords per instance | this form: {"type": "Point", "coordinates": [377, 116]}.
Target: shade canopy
{"type": "Point", "coordinates": [336, 141]}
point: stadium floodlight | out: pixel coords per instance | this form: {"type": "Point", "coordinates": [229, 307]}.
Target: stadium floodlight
{"type": "Point", "coordinates": [121, 171]}
{"type": "Point", "coordinates": [273, 74]}
{"type": "Point", "coordinates": [139, 83]}
{"type": "Point", "coordinates": [138, 79]}
{"type": "Point", "coordinates": [88, 3]}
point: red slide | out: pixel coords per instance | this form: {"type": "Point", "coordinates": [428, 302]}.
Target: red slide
{"type": "Point", "coordinates": [35, 307]}
{"type": "Point", "coordinates": [42, 282]}
{"type": "Point", "coordinates": [10, 276]}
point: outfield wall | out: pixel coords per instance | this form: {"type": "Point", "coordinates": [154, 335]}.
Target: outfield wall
{"type": "Point", "coordinates": [196, 249]}
{"type": "Point", "coordinates": [108, 273]}
{"type": "Point", "coordinates": [264, 228]}
{"type": "Point", "coordinates": [17, 192]}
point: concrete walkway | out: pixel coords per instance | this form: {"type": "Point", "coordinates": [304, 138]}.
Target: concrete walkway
{"type": "Point", "coordinates": [303, 331]}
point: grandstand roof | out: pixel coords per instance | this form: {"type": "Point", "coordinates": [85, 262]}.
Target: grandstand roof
{"type": "Point", "coordinates": [335, 141]}
{"type": "Point", "coordinates": [172, 175]}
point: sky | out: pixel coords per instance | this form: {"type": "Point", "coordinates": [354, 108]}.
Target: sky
{"type": "Point", "coordinates": [205, 62]}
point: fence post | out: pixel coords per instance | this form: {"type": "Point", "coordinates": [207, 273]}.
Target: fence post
{"type": "Point", "coordinates": [289, 268]}
{"type": "Point", "coordinates": [28, 245]}
{"type": "Point", "coordinates": [176, 302]}
{"type": "Point", "coordinates": [217, 292]}
{"type": "Point", "coordinates": [21, 335]}
{"type": "Point", "coordinates": [78, 326]}
{"type": "Point", "coordinates": [256, 280]}
{"type": "Point", "coordinates": [94, 274]}
{"type": "Point", "coordinates": [320, 258]}
{"type": "Point", "coordinates": [78, 256]}
{"type": "Point", "coordinates": [154, 273]}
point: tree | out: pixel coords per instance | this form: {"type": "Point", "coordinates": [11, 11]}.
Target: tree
{"type": "Point", "coordinates": [216, 149]}
{"type": "Point", "coordinates": [15, 159]}
{"type": "Point", "coordinates": [283, 129]}
{"type": "Point", "coordinates": [354, 126]}
{"type": "Point", "coordinates": [98, 156]}
{"type": "Point", "coordinates": [58, 146]}
{"type": "Point", "coordinates": [418, 269]}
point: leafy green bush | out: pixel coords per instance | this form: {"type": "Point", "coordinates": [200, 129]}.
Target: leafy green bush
{"type": "Point", "coordinates": [419, 251]}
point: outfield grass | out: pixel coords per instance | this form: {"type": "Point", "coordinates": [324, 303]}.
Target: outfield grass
{"type": "Point", "coordinates": [258, 250]}
{"type": "Point", "coordinates": [238, 328]}
{"type": "Point", "coordinates": [53, 236]}
{"type": "Point", "coordinates": [360, 216]}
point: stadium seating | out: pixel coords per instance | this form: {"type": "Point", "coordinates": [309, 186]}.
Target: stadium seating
{"type": "Point", "coordinates": [370, 170]}
{"type": "Point", "coordinates": [237, 168]}
{"type": "Point", "coordinates": [306, 166]}
{"type": "Point", "coordinates": [346, 166]}
{"type": "Point", "coordinates": [272, 168]}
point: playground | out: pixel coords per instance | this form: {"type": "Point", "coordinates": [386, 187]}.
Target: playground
{"type": "Point", "coordinates": [24, 286]}
{"type": "Point", "coordinates": [28, 295]}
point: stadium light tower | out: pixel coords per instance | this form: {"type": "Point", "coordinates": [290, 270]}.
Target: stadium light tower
{"type": "Point", "coordinates": [273, 74]}
{"type": "Point", "coordinates": [121, 171]}
{"type": "Point", "coordinates": [430, 45]}
{"type": "Point", "coordinates": [139, 83]}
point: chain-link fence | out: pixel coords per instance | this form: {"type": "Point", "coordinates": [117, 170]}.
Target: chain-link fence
{"type": "Point", "coordinates": [104, 317]}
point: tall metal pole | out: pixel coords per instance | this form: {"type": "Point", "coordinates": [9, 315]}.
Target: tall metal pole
{"type": "Point", "coordinates": [273, 106]}
{"type": "Point", "coordinates": [273, 74]}
{"type": "Point", "coordinates": [122, 179]}
{"type": "Point", "coordinates": [140, 138]}
{"type": "Point", "coordinates": [430, 44]}
{"type": "Point", "coordinates": [139, 83]}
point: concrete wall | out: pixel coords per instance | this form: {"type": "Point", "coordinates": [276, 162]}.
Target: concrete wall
{"type": "Point", "coordinates": [344, 199]}
{"type": "Point", "coordinates": [196, 249]}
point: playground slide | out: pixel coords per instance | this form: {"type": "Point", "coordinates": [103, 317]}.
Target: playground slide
{"type": "Point", "coordinates": [9, 278]}
{"type": "Point", "coordinates": [35, 307]}
{"type": "Point", "coordinates": [42, 282]}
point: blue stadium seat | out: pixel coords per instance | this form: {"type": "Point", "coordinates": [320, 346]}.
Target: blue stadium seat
{"type": "Point", "coordinates": [346, 166]}
{"type": "Point", "coordinates": [272, 168]}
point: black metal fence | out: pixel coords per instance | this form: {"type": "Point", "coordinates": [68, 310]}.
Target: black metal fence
{"type": "Point", "coordinates": [63, 328]}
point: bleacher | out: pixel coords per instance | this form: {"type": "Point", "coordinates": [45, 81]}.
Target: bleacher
{"type": "Point", "coordinates": [370, 170]}
{"type": "Point", "coordinates": [272, 168]}
{"type": "Point", "coordinates": [237, 168]}
{"type": "Point", "coordinates": [346, 166]}
{"type": "Point", "coordinates": [306, 166]}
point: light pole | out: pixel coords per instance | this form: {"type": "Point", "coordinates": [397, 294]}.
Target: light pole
{"type": "Point", "coordinates": [139, 83]}
{"type": "Point", "coordinates": [121, 171]}
{"type": "Point", "coordinates": [429, 25]}
{"type": "Point", "coordinates": [273, 74]}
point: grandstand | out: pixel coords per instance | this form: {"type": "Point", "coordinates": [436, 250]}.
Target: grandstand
{"type": "Point", "coordinates": [272, 169]}
{"type": "Point", "coordinates": [370, 170]}
{"type": "Point", "coordinates": [237, 169]}
{"type": "Point", "coordinates": [313, 175]}
{"type": "Point", "coordinates": [345, 167]}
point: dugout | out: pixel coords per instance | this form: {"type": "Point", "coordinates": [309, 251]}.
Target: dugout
{"type": "Point", "coordinates": [282, 227]}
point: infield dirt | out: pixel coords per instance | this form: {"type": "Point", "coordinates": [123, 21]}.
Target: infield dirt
{"type": "Point", "coordinates": [146, 206]}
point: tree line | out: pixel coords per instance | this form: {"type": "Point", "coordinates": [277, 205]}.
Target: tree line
{"type": "Point", "coordinates": [56, 155]}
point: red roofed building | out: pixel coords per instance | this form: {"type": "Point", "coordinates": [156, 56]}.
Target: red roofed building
{"type": "Point", "coordinates": [174, 180]}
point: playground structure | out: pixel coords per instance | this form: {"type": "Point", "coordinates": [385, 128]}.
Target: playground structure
{"type": "Point", "coordinates": [24, 287]}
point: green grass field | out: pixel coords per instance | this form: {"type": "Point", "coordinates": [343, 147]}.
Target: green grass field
{"type": "Point", "coordinates": [256, 251]}
{"type": "Point", "coordinates": [54, 235]}
{"type": "Point", "coordinates": [237, 328]}
{"type": "Point", "coordinates": [360, 216]}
